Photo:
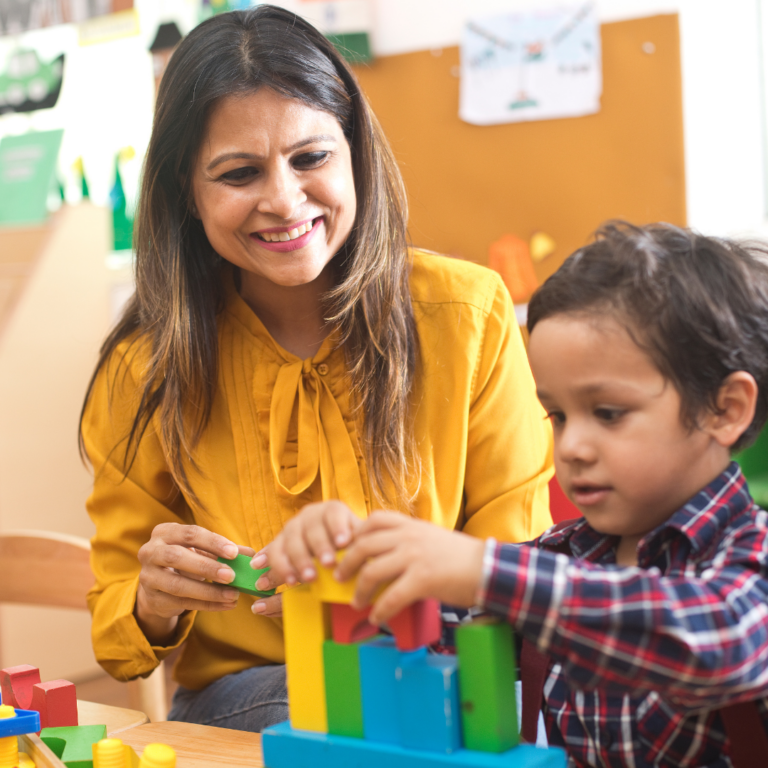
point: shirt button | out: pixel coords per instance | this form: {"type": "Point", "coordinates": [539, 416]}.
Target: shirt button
{"type": "Point", "coordinates": [322, 369]}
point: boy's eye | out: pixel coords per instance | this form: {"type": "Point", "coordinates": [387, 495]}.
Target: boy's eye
{"type": "Point", "coordinates": [239, 175]}
{"type": "Point", "coordinates": [309, 160]}
{"type": "Point", "coordinates": [556, 417]}
{"type": "Point", "coordinates": [609, 415]}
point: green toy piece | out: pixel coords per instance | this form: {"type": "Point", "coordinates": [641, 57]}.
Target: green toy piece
{"type": "Point", "coordinates": [245, 576]}
{"type": "Point", "coordinates": [343, 695]}
{"type": "Point", "coordinates": [487, 674]}
{"type": "Point", "coordinates": [73, 744]}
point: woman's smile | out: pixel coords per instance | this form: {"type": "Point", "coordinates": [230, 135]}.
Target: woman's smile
{"type": "Point", "coordinates": [288, 238]}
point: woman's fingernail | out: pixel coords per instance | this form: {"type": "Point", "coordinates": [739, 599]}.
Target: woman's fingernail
{"type": "Point", "coordinates": [262, 583]}
{"type": "Point", "coordinates": [259, 561]}
{"type": "Point", "coordinates": [308, 574]}
{"type": "Point", "coordinates": [225, 575]}
{"type": "Point", "coordinates": [259, 607]}
{"type": "Point", "coordinates": [230, 551]}
{"type": "Point", "coordinates": [341, 539]}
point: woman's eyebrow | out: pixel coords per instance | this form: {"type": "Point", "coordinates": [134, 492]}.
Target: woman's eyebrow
{"type": "Point", "coordinates": [250, 156]}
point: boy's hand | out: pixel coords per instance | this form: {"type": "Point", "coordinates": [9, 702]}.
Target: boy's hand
{"type": "Point", "coordinates": [419, 558]}
{"type": "Point", "coordinates": [316, 532]}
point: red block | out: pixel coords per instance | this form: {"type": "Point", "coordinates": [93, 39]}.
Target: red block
{"type": "Point", "coordinates": [350, 625]}
{"type": "Point", "coordinates": [56, 701]}
{"type": "Point", "coordinates": [418, 624]}
{"type": "Point", "coordinates": [16, 684]}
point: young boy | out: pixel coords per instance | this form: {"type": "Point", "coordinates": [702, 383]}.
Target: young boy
{"type": "Point", "coordinates": [649, 348]}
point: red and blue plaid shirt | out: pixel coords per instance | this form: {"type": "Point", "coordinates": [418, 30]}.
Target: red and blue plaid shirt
{"type": "Point", "coordinates": [642, 657]}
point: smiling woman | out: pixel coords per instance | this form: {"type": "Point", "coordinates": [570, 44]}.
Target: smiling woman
{"type": "Point", "coordinates": [284, 346]}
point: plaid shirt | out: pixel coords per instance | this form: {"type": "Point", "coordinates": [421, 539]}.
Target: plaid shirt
{"type": "Point", "coordinates": [641, 657]}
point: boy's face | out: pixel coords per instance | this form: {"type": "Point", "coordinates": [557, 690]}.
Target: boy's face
{"type": "Point", "coordinates": [622, 454]}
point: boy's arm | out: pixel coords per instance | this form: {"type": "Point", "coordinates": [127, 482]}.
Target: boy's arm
{"type": "Point", "coordinates": [699, 641]}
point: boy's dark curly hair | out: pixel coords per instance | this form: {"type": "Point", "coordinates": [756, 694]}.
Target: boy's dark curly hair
{"type": "Point", "coordinates": [697, 305]}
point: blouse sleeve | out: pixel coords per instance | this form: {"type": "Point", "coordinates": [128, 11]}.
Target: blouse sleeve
{"type": "Point", "coordinates": [509, 451]}
{"type": "Point", "coordinates": [125, 508]}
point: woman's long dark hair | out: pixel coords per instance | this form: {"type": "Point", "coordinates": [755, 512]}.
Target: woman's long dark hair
{"type": "Point", "coordinates": [179, 289]}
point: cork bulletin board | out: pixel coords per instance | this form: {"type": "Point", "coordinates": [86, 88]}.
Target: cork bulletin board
{"type": "Point", "coordinates": [469, 185]}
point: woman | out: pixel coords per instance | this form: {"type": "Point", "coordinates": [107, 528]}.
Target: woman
{"type": "Point", "coordinates": [284, 346]}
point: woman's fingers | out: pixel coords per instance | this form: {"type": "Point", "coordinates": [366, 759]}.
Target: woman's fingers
{"type": "Point", "coordinates": [193, 536]}
{"type": "Point", "coordinates": [269, 606]}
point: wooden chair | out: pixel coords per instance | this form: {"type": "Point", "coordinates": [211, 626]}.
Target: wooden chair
{"type": "Point", "coordinates": [58, 574]}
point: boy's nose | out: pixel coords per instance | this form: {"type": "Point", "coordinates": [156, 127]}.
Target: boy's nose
{"type": "Point", "coordinates": [573, 444]}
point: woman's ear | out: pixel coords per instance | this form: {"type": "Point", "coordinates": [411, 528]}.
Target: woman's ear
{"type": "Point", "coordinates": [736, 402]}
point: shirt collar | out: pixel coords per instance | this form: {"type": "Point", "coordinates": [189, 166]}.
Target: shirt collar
{"type": "Point", "coordinates": [700, 520]}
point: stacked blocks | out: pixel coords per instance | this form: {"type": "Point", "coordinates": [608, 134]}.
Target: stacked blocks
{"type": "Point", "coordinates": [15, 723]}
{"type": "Point", "coordinates": [359, 700]}
{"type": "Point", "coordinates": [56, 701]}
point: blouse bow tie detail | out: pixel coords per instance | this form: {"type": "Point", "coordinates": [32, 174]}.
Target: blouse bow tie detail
{"type": "Point", "coordinates": [324, 444]}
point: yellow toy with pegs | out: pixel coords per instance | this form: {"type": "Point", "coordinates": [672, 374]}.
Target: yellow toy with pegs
{"type": "Point", "coordinates": [10, 757]}
{"type": "Point", "coordinates": [112, 753]}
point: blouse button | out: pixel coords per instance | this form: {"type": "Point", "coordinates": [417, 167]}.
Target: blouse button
{"type": "Point", "coordinates": [322, 369]}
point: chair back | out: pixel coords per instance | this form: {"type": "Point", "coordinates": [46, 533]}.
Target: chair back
{"type": "Point", "coordinates": [51, 569]}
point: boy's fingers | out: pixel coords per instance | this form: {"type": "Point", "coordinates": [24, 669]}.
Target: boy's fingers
{"type": "Point", "coordinates": [399, 595]}
{"type": "Point", "coordinates": [318, 542]}
{"type": "Point", "coordinates": [366, 546]}
{"type": "Point", "coordinates": [295, 548]}
{"type": "Point", "coordinates": [342, 523]}
{"type": "Point", "coordinates": [280, 571]}
{"type": "Point", "coordinates": [376, 573]}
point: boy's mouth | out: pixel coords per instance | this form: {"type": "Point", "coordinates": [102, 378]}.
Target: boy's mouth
{"type": "Point", "coordinates": [588, 494]}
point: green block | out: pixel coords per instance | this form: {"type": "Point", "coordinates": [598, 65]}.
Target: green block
{"type": "Point", "coordinates": [245, 576]}
{"type": "Point", "coordinates": [73, 744]}
{"type": "Point", "coordinates": [343, 696]}
{"type": "Point", "coordinates": [487, 675]}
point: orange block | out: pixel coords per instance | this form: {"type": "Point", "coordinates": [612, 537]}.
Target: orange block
{"type": "Point", "coordinates": [511, 258]}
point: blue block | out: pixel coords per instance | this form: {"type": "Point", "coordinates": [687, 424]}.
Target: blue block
{"type": "Point", "coordinates": [379, 660]}
{"type": "Point", "coordinates": [284, 747]}
{"type": "Point", "coordinates": [428, 703]}
{"type": "Point", "coordinates": [26, 721]}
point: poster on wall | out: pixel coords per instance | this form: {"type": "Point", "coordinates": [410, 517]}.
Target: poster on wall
{"type": "Point", "coordinates": [17, 16]}
{"type": "Point", "coordinates": [536, 65]}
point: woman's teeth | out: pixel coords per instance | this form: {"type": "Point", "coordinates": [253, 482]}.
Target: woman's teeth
{"type": "Point", "coordinates": [284, 237]}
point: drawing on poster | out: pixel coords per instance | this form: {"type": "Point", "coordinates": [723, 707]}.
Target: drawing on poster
{"type": "Point", "coordinates": [537, 65]}
{"type": "Point", "coordinates": [18, 16]}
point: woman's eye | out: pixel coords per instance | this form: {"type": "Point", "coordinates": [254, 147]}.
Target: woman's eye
{"type": "Point", "coordinates": [309, 160]}
{"type": "Point", "coordinates": [609, 415]}
{"type": "Point", "coordinates": [239, 175]}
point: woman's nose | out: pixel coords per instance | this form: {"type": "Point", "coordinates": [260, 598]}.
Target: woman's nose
{"type": "Point", "coordinates": [281, 194]}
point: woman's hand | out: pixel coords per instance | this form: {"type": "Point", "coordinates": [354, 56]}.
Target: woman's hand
{"type": "Point", "coordinates": [419, 559]}
{"type": "Point", "coordinates": [316, 532]}
{"type": "Point", "coordinates": [176, 564]}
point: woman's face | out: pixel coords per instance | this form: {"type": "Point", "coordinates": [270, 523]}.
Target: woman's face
{"type": "Point", "coordinates": [273, 186]}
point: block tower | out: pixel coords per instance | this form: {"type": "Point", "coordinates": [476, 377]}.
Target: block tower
{"type": "Point", "coordinates": [357, 698]}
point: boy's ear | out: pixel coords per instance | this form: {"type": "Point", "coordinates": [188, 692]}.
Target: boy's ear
{"type": "Point", "coordinates": [735, 408]}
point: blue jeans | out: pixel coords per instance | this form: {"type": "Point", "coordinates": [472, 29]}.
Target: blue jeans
{"type": "Point", "coordinates": [250, 700]}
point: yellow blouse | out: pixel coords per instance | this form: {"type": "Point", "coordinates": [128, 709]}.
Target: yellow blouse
{"type": "Point", "coordinates": [282, 434]}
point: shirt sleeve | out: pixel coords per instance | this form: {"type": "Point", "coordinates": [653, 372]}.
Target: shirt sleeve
{"type": "Point", "coordinates": [509, 445]}
{"type": "Point", "coordinates": [125, 508]}
{"type": "Point", "coordinates": [701, 640]}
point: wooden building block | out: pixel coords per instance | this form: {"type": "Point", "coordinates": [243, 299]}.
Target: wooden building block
{"type": "Point", "coordinates": [56, 701]}
{"type": "Point", "coordinates": [328, 590]}
{"type": "Point", "coordinates": [379, 660]}
{"type": "Point", "coordinates": [284, 747]}
{"type": "Point", "coordinates": [350, 625]}
{"type": "Point", "coordinates": [73, 744]}
{"type": "Point", "coordinates": [16, 685]}
{"type": "Point", "coordinates": [306, 626]}
{"type": "Point", "coordinates": [428, 703]}
{"type": "Point", "coordinates": [487, 675]}
{"type": "Point", "coordinates": [418, 624]}
{"type": "Point", "coordinates": [245, 576]}
{"type": "Point", "coordinates": [343, 697]}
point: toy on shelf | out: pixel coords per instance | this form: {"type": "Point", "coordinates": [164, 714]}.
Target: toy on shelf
{"type": "Point", "coordinates": [15, 723]}
{"type": "Point", "coordinates": [379, 701]}
{"type": "Point", "coordinates": [56, 700]}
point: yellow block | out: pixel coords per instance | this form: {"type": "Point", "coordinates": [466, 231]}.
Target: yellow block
{"type": "Point", "coordinates": [306, 625]}
{"type": "Point", "coordinates": [326, 589]}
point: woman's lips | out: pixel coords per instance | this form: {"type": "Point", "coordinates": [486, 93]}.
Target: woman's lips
{"type": "Point", "coordinates": [588, 495]}
{"type": "Point", "coordinates": [281, 246]}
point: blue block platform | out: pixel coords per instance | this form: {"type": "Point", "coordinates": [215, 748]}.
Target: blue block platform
{"type": "Point", "coordinates": [26, 721]}
{"type": "Point", "coordinates": [285, 747]}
